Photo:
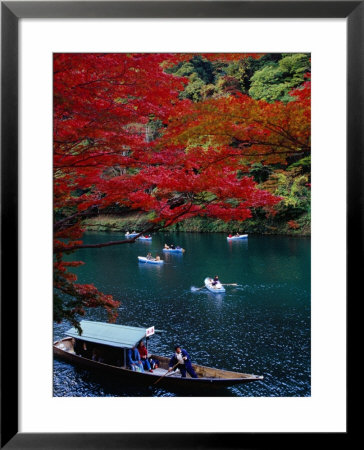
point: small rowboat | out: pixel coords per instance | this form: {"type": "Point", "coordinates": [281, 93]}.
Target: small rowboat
{"type": "Point", "coordinates": [103, 347]}
{"type": "Point", "coordinates": [217, 288]}
{"type": "Point", "coordinates": [144, 259]}
{"type": "Point", "coordinates": [130, 235]}
{"type": "Point", "coordinates": [174, 250]}
{"type": "Point", "coordinates": [144, 238]}
{"type": "Point", "coordinates": [241, 236]}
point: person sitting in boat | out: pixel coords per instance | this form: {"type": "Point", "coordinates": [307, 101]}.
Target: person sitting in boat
{"type": "Point", "coordinates": [182, 358]}
{"type": "Point", "coordinates": [215, 281]}
{"type": "Point", "coordinates": [166, 246]}
{"type": "Point", "coordinates": [81, 349]}
{"type": "Point", "coordinates": [230, 235]}
{"type": "Point", "coordinates": [96, 355]}
{"type": "Point", "coordinates": [172, 246]}
{"type": "Point", "coordinates": [149, 256]}
{"type": "Point", "coordinates": [154, 363]}
{"type": "Point", "coordinates": [237, 235]}
{"type": "Point", "coordinates": [144, 356]}
{"type": "Point", "coordinates": [127, 233]}
{"type": "Point", "coordinates": [157, 258]}
{"type": "Point", "coordinates": [134, 361]}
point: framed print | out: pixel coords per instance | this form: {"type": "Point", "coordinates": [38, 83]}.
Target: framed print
{"type": "Point", "coordinates": [124, 86]}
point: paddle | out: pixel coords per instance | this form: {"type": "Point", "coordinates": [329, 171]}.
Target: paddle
{"type": "Point", "coordinates": [229, 284]}
{"type": "Point", "coordinates": [194, 289]}
{"type": "Point", "coordinates": [165, 374]}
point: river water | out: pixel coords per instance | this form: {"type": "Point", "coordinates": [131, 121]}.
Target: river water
{"type": "Point", "coordinates": [262, 326]}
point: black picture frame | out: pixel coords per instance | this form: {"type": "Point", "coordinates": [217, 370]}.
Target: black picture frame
{"type": "Point", "coordinates": [11, 12]}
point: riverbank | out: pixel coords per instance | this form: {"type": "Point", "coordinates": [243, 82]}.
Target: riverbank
{"type": "Point", "coordinates": [257, 225]}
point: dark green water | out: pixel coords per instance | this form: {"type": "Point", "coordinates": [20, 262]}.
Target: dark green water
{"type": "Point", "coordinates": [261, 326]}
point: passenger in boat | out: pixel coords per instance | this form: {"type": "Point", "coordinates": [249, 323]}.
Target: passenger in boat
{"type": "Point", "coordinates": [215, 280]}
{"type": "Point", "coordinates": [230, 235]}
{"type": "Point", "coordinates": [154, 363]}
{"type": "Point", "coordinates": [134, 361]}
{"type": "Point", "coordinates": [97, 355]}
{"type": "Point", "coordinates": [237, 235]}
{"type": "Point", "coordinates": [77, 347]}
{"type": "Point", "coordinates": [144, 356]}
{"type": "Point", "coordinates": [184, 362]}
{"type": "Point", "coordinates": [166, 246]}
{"type": "Point", "coordinates": [81, 349]}
{"type": "Point", "coordinates": [149, 256]}
{"type": "Point", "coordinates": [172, 246]}
{"type": "Point", "coordinates": [157, 258]}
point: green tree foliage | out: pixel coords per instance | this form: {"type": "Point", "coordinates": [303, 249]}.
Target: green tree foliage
{"type": "Point", "coordinates": [200, 73]}
{"type": "Point", "coordinates": [275, 80]}
{"type": "Point", "coordinates": [293, 185]}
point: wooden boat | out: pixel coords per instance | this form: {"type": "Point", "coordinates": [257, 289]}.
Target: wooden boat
{"type": "Point", "coordinates": [217, 288]}
{"type": "Point", "coordinates": [113, 341]}
{"type": "Point", "coordinates": [174, 250]}
{"type": "Point", "coordinates": [144, 259]}
{"type": "Point", "coordinates": [234, 238]}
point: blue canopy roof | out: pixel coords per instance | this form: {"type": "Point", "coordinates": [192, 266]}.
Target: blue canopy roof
{"type": "Point", "coordinates": [108, 334]}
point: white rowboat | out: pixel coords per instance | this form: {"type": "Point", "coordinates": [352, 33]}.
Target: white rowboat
{"type": "Point", "coordinates": [144, 259]}
{"type": "Point", "coordinates": [217, 288]}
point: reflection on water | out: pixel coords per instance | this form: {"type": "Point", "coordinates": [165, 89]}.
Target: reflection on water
{"type": "Point", "coordinates": [261, 326]}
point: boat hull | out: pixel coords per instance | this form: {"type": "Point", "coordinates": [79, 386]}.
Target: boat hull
{"type": "Point", "coordinates": [173, 250]}
{"type": "Point", "coordinates": [170, 381]}
{"type": "Point", "coordinates": [212, 288]}
{"type": "Point", "coordinates": [236, 238]}
{"type": "Point", "coordinates": [145, 260]}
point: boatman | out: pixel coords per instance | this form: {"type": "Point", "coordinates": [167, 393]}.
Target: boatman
{"type": "Point", "coordinates": [182, 358]}
{"type": "Point", "coordinates": [215, 280]}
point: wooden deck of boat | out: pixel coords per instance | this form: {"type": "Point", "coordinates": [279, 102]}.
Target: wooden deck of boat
{"type": "Point", "coordinates": [160, 372]}
{"type": "Point", "coordinates": [65, 347]}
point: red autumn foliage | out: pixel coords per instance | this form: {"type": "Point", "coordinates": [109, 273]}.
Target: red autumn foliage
{"type": "Point", "coordinates": [293, 224]}
{"type": "Point", "coordinates": [103, 104]}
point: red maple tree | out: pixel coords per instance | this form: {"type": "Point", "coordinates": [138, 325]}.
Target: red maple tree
{"type": "Point", "coordinates": [103, 104]}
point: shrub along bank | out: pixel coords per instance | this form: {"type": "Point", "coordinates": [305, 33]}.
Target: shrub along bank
{"type": "Point", "coordinates": [259, 224]}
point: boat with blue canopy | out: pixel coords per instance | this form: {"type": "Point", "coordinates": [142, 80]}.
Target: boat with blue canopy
{"type": "Point", "coordinates": [104, 346]}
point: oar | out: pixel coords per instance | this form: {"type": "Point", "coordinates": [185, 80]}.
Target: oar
{"type": "Point", "coordinates": [165, 374]}
{"type": "Point", "coordinates": [197, 289]}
